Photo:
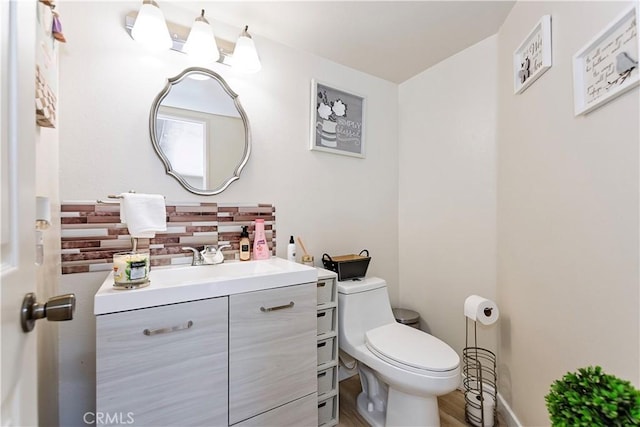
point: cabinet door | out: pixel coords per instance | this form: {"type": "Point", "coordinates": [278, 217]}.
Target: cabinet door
{"type": "Point", "coordinates": [163, 366]}
{"type": "Point", "coordinates": [272, 349]}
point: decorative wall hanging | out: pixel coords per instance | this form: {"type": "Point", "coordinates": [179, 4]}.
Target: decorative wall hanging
{"type": "Point", "coordinates": [49, 29]}
{"type": "Point", "coordinates": [533, 57]}
{"type": "Point", "coordinates": [608, 65]}
{"type": "Point", "coordinates": [337, 120]}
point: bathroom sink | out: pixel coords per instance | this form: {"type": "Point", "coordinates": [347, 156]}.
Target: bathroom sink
{"type": "Point", "coordinates": [188, 283]}
{"type": "Point", "coordinates": [212, 273]}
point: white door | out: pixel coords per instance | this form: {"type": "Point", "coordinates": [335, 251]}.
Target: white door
{"type": "Point", "coordinates": [17, 215]}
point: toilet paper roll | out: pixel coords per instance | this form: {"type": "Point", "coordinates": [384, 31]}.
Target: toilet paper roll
{"type": "Point", "coordinates": [475, 416]}
{"type": "Point", "coordinates": [481, 309]}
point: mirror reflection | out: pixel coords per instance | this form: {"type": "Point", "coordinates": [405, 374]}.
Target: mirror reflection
{"type": "Point", "coordinates": [200, 131]}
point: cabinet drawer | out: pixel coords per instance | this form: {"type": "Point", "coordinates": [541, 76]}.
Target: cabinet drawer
{"type": "Point", "coordinates": [325, 290]}
{"type": "Point", "coordinates": [326, 350]}
{"type": "Point", "coordinates": [325, 321]}
{"type": "Point", "coordinates": [327, 410]}
{"type": "Point", "coordinates": [326, 380]}
{"type": "Point", "coordinates": [172, 357]}
{"type": "Point", "coordinates": [272, 349]}
{"type": "Point", "coordinates": [301, 412]}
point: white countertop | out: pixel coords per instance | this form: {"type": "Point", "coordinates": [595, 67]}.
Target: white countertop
{"type": "Point", "coordinates": [181, 284]}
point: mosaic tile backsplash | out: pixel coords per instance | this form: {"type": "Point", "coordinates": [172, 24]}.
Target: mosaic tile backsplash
{"type": "Point", "coordinates": [92, 232]}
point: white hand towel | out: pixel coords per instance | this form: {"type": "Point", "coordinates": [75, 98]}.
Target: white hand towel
{"type": "Point", "coordinates": [144, 214]}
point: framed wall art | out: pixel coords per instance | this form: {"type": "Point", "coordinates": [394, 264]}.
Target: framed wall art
{"type": "Point", "coordinates": [337, 120]}
{"type": "Point", "coordinates": [46, 66]}
{"type": "Point", "coordinates": [607, 66]}
{"type": "Point", "coordinates": [533, 57]}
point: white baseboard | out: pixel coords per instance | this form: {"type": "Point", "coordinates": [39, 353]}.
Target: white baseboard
{"type": "Point", "coordinates": [507, 413]}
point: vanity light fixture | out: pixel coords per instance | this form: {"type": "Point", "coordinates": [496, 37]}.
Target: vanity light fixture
{"type": "Point", "coordinates": [150, 28]}
{"type": "Point", "coordinates": [201, 44]}
{"type": "Point", "coordinates": [245, 57]}
{"type": "Point", "coordinates": [199, 41]}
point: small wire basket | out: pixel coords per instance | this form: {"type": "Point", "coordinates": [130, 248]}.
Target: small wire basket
{"type": "Point", "coordinates": [480, 383]}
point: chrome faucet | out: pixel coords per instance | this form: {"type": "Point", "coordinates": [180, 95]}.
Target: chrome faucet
{"type": "Point", "coordinates": [197, 256]}
{"type": "Point", "coordinates": [210, 255]}
{"type": "Point", "coordinates": [213, 255]}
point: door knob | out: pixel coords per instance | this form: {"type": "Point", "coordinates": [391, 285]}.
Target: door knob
{"type": "Point", "coordinates": [57, 309]}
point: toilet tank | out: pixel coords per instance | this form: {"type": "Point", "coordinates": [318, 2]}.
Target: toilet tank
{"type": "Point", "coordinates": [362, 305]}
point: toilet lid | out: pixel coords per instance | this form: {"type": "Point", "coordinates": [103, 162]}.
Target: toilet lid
{"type": "Point", "coordinates": [411, 347]}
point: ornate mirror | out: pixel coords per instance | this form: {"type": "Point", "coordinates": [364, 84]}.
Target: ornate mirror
{"type": "Point", "coordinates": [200, 131]}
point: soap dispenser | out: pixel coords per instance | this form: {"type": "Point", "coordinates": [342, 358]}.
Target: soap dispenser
{"type": "Point", "coordinates": [245, 245]}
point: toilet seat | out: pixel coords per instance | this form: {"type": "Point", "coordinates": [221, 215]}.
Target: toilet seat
{"type": "Point", "coordinates": [412, 350]}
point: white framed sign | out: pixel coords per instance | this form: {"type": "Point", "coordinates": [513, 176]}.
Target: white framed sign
{"type": "Point", "coordinates": [533, 57]}
{"type": "Point", "coordinates": [607, 66]}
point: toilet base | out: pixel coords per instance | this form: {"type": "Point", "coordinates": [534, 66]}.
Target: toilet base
{"type": "Point", "coordinates": [402, 410]}
{"type": "Point", "coordinates": [410, 410]}
{"type": "Point", "coordinates": [374, 418]}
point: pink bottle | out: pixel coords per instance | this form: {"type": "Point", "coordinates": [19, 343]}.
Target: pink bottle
{"type": "Point", "coordinates": [260, 246]}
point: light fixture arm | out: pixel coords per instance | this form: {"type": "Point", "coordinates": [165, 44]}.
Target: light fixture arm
{"type": "Point", "coordinates": [202, 18]}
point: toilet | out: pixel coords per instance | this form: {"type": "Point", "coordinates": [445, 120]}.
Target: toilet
{"type": "Point", "coordinates": [402, 369]}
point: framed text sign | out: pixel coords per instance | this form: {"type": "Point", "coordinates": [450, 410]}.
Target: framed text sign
{"type": "Point", "coordinates": [337, 120]}
{"type": "Point", "coordinates": [533, 57]}
{"type": "Point", "coordinates": [608, 65]}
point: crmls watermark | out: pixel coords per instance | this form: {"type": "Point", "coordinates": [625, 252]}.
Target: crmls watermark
{"type": "Point", "coordinates": [110, 418]}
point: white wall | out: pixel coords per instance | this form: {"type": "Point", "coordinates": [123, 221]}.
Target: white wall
{"type": "Point", "coordinates": [447, 191]}
{"type": "Point", "coordinates": [567, 217]}
{"type": "Point", "coordinates": [337, 204]}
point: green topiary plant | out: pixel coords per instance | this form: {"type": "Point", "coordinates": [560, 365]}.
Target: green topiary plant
{"type": "Point", "coordinates": [590, 397]}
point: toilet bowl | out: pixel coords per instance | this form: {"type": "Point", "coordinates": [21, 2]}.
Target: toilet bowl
{"type": "Point", "coordinates": [402, 369]}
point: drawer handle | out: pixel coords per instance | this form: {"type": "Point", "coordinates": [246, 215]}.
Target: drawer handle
{"type": "Point", "coordinates": [321, 284]}
{"type": "Point", "coordinates": [149, 332]}
{"type": "Point", "coordinates": [322, 344]}
{"type": "Point", "coordinates": [322, 374]}
{"type": "Point", "coordinates": [279, 307]}
{"type": "Point", "coordinates": [322, 405]}
{"type": "Point", "coordinates": [322, 314]}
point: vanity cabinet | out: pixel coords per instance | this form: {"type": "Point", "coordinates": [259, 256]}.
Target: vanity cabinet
{"type": "Point", "coordinates": [233, 344]}
{"type": "Point", "coordinates": [327, 348]}
{"type": "Point", "coordinates": [272, 356]}
{"type": "Point", "coordinates": [165, 365]}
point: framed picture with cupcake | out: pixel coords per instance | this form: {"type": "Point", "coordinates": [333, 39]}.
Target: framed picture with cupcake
{"type": "Point", "coordinates": [337, 120]}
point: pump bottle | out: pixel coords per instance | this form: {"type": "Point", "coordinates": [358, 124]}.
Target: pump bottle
{"type": "Point", "coordinates": [245, 245]}
{"type": "Point", "coordinates": [291, 250]}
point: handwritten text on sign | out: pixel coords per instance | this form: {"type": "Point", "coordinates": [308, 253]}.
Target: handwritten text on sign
{"type": "Point", "coordinates": [600, 63]}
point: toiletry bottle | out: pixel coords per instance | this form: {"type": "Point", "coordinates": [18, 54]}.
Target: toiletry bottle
{"type": "Point", "coordinates": [291, 250]}
{"type": "Point", "coordinates": [260, 246]}
{"type": "Point", "coordinates": [245, 245]}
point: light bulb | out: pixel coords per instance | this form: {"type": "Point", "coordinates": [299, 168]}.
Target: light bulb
{"type": "Point", "coordinates": [201, 44]}
{"type": "Point", "coordinates": [245, 57]}
{"type": "Point", "coordinates": [150, 28]}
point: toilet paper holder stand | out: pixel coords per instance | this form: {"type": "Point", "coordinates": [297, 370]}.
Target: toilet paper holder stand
{"type": "Point", "coordinates": [479, 381]}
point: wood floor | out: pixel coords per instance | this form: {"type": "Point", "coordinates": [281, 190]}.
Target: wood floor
{"type": "Point", "coordinates": [451, 407]}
